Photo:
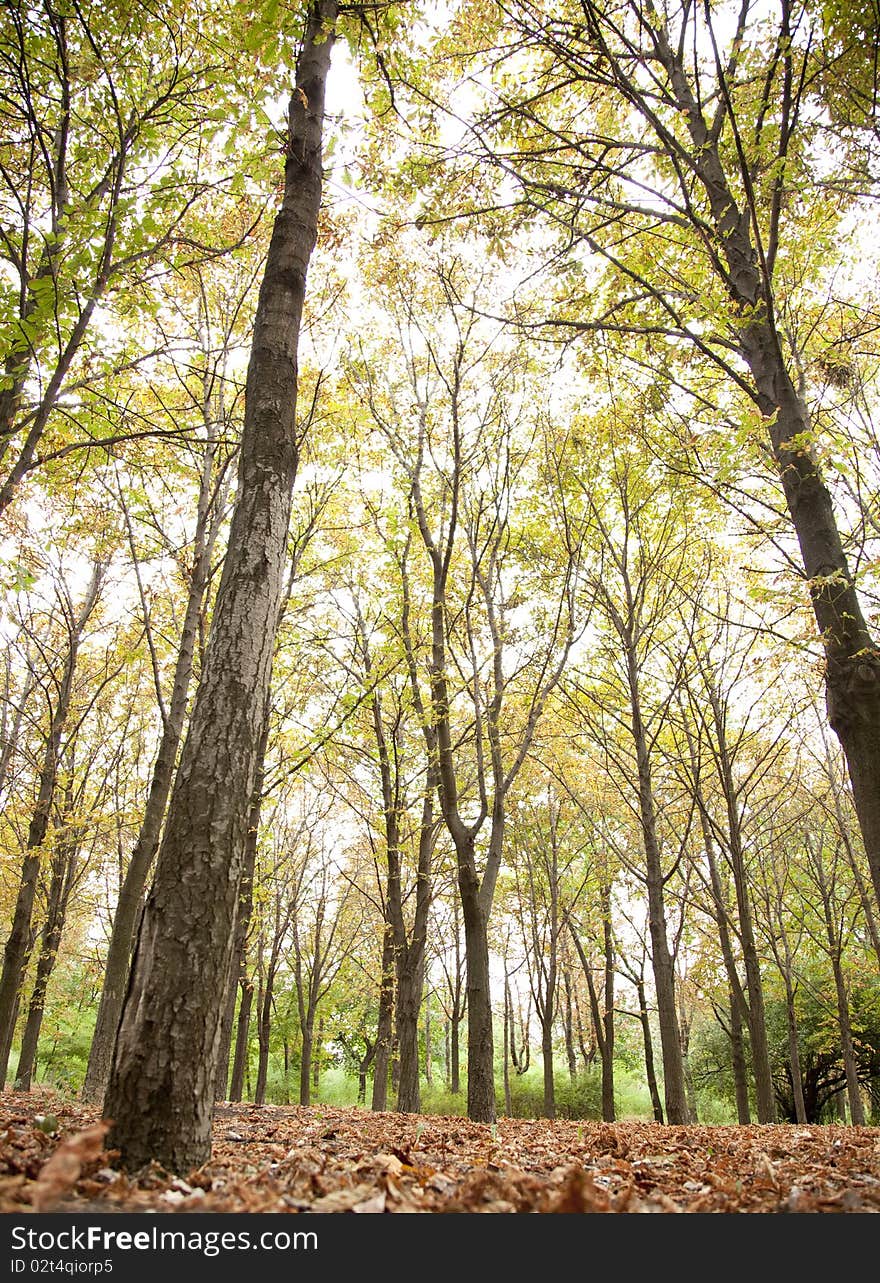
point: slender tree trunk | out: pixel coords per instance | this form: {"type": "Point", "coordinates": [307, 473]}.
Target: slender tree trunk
{"type": "Point", "coordinates": [317, 1049]}
{"type": "Point", "coordinates": [508, 1101]}
{"type": "Point", "coordinates": [738, 1063]}
{"type": "Point", "coordinates": [454, 1058]}
{"type": "Point", "coordinates": [740, 1006]}
{"type": "Point", "coordinates": [794, 1055]}
{"type": "Point", "coordinates": [685, 1027]}
{"type": "Point", "coordinates": [570, 1052]}
{"type": "Point", "coordinates": [765, 1099]}
{"type": "Point", "coordinates": [429, 1051]}
{"type": "Point", "coordinates": [242, 1034]}
{"type": "Point", "coordinates": [661, 956]}
{"type": "Point", "coordinates": [180, 970]}
{"type": "Point", "coordinates": [385, 1023]}
{"type": "Point", "coordinates": [63, 873]}
{"type": "Point", "coordinates": [648, 1042]}
{"type": "Point", "coordinates": [307, 1029]}
{"type": "Point", "coordinates": [18, 945]}
{"type": "Point", "coordinates": [608, 1111]}
{"type": "Point", "coordinates": [850, 1064]}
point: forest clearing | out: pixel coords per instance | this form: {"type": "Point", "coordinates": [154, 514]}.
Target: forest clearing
{"type": "Point", "coordinates": [439, 600]}
{"type": "Point", "coordinates": [322, 1159]}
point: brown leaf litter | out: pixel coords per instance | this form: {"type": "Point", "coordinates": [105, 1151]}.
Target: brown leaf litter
{"type": "Point", "coordinates": [325, 1159]}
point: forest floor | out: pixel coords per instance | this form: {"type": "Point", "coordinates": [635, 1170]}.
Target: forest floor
{"type": "Point", "coordinates": [326, 1159]}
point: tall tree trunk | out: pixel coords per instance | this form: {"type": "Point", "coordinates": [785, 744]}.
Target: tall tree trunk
{"type": "Point", "coordinates": [570, 1052]}
{"type": "Point", "coordinates": [794, 1055]}
{"type": "Point", "coordinates": [739, 1003]}
{"type": "Point", "coordinates": [305, 1062]}
{"type": "Point", "coordinates": [661, 957]}
{"type": "Point", "coordinates": [765, 1099]}
{"type": "Point", "coordinates": [128, 905]}
{"type": "Point", "coordinates": [850, 1064]}
{"type": "Point", "coordinates": [384, 1024]}
{"type": "Point", "coordinates": [454, 1057]}
{"type": "Point", "coordinates": [180, 969]}
{"type": "Point", "coordinates": [429, 1050]}
{"type": "Point", "coordinates": [264, 1030]}
{"type": "Point", "coordinates": [238, 962]}
{"type": "Point", "coordinates": [608, 1112]}
{"type": "Point", "coordinates": [738, 1063]}
{"type": "Point", "coordinates": [480, 1077]}
{"type": "Point", "coordinates": [508, 1017]}
{"type": "Point", "coordinates": [242, 1034]}
{"type": "Point", "coordinates": [852, 662]}
{"type": "Point", "coordinates": [60, 888]}
{"type": "Point", "coordinates": [316, 1056]}
{"type": "Point", "coordinates": [409, 996]}
{"type": "Point", "coordinates": [648, 1043]}
{"type": "Point", "coordinates": [17, 951]}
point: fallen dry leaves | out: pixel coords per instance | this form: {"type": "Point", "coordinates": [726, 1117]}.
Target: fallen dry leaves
{"type": "Point", "coordinates": [325, 1159]}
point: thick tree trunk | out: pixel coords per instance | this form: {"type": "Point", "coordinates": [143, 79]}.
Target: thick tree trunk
{"type": "Point", "coordinates": [161, 1088]}
{"type": "Point", "coordinates": [128, 904]}
{"type": "Point", "coordinates": [480, 1077]}
{"type": "Point", "coordinates": [409, 995]}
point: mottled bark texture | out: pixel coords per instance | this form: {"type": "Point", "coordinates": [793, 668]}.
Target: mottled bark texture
{"type": "Point", "coordinates": [161, 1088]}
{"type": "Point", "coordinates": [131, 892]}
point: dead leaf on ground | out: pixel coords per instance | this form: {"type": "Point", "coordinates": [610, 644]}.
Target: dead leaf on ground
{"type": "Point", "coordinates": [64, 1168]}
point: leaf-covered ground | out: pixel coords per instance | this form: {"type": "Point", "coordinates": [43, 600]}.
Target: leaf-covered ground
{"type": "Point", "coordinates": [325, 1159]}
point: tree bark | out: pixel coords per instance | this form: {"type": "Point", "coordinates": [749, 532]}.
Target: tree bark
{"type": "Point", "coordinates": [794, 1055]}
{"type": "Point", "coordinates": [131, 892]}
{"type": "Point", "coordinates": [242, 1034]}
{"type": "Point", "coordinates": [384, 1023]}
{"type": "Point", "coordinates": [18, 945]}
{"type": "Point", "coordinates": [60, 888]}
{"type": "Point", "coordinates": [852, 662]}
{"type": "Point", "coordinates": [738, 1063]}
{"type": "Point", "coordinates": [648, 1042]}
{"type": "Point", "coordinates": [171, 1016]}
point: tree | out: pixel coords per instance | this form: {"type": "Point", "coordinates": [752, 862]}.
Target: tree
{"type": "Point", "coordinates": [675, 161]}
{"type": "Point", "coordinates": [181, 964]}
{"type": "Point", "coordinates": [59, 691]}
